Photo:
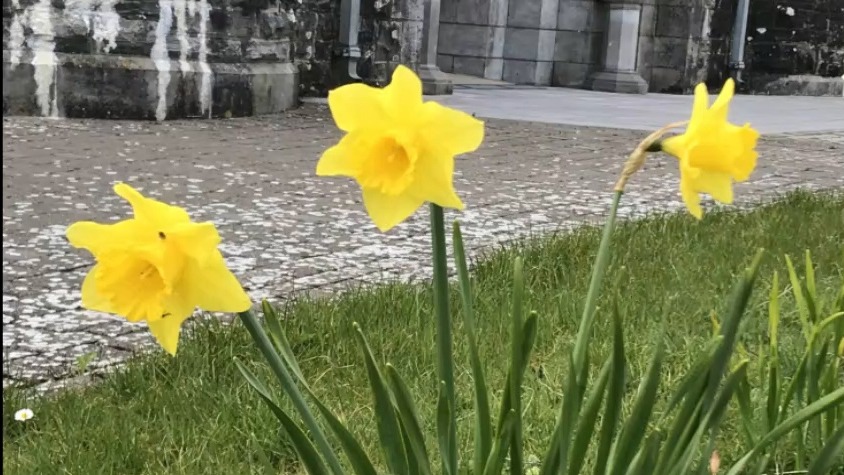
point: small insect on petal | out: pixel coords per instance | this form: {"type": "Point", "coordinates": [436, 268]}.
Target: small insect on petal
{"type": "Point", "coordinates": [24, 415]}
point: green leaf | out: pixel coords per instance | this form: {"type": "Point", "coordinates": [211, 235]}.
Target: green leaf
{"type": "Point", "coordinates": [290, 388]}
{"type": "Point", "coordinates": [830, 455]}
{"type": "Point", "coordinates": [304, 449]}
{"type": "Point", "coordinates": [589, 419]}
{"type": "Point", "coordinates": [445, 355]}
{"type": "Point", "coordinates": [797, 289]}
{"type": "Point", "coordinates": [635, 427]}
{"type": "Point", "coordinates": [645, 458]}
{"type": "Point", "coordinates": [410, 420]}
{"type": "Point", "coordinates": [385, 416]}
{"type": "Point", "coordinates": [495, 463]}
{"type": "Point", "coordinates": [516, 353]}
{"type": "Point", "coordinates": [483, 422]}
{"type": "Point", "coordinates": [729, 330]}
{"type": "Point", "coordinates": [773, 403]}
{"type": "Point", "coordinates": [695, 379]}
{"type": "Point", "coordinates": [712, 419]}
{"type": "Point", "coordinates": [280, 340]}
{"type": "Point", "coordinates": [443, 420]}
{"type": "Point", "coordinates": [556, 458]}
{"type": "Point", "coordinates": [811, 289]}
{"type": "Point", "coordinates": [599, 268]}
{"type": "Point", "coordinates": [797, 419]}
{"type": "Point", "coordinates": [354, 452]}
{"type": "Point", "coordinates": [615, 397]}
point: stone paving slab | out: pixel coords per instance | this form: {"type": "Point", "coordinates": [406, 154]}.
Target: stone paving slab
{"type": "Point", "coordinates": [557, 105]}
{"type": "Point", "coordinates": [286, 230]}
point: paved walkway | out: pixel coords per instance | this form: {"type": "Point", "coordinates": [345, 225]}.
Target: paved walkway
{"type": "Point", "coordinates": [769, 114]}
{"type": "Point", "coordinates": [283, 228]}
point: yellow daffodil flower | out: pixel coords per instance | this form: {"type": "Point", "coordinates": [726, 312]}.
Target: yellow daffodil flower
{"type": "Point", "coordinates": [398, 148]}
{"type": "Point", "coordinates": [712, 152]}
{"type": "Point", "coordinates": [156, 267]}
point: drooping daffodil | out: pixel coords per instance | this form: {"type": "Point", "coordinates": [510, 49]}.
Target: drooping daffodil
{"type": "Point", "coordinates": [713, 153]}
{"type": "Point", "coordinates": [156, 267]}
{"type": "Point", "coordinates": [399, 148]}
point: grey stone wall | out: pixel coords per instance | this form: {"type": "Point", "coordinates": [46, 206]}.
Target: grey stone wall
{"type": "Point", "coordinates": [560, 42]}
{"type": "Point", "coordinates": [802, 38]}
{"type": "Point", "coordinates": [148, 59]}
{"type": "Point", "coordinates": [390, 34]}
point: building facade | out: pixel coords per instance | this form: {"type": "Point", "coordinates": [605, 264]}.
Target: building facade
{"type": "Point", "coordinates": [162, 59]}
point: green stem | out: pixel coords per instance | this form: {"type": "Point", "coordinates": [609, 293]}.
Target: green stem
{"type": "Point", "coordinates": [290, 388]}
{"type": "Point", "coordinates": [445, 359]}
{"type": "Point", "coordinates": [602, 261]}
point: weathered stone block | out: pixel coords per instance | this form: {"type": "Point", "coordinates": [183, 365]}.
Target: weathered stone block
{"type": "Point", "coordinates": [519, 72]}
{"type": "Point", "coordinates": [445, 62]}
{"type": "Point", "coordinates": [670, 52]}
{"type": "Point", "coordinates": [141, 59]}
{"type": "Point", "coordinates": [575, 15]}
{"type": "Point", "coordinates": [573, 47]}
{"type": "Point", "coordinates": [470, 66]}
{"type": "Point", "coordinates": [521, 43]}
{"type": "Point", "coordinates": [464, 40]}
{"type": "Point", "coordinates": [570, 74]}
{"type": "Point", "coordinates": [673, 21]}
{"type": "Point", "coordinates": [473, 12]}
{"type": "Point", "coordinates": [524, 13]}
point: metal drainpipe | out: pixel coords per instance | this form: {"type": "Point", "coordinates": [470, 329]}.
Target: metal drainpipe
{"type": "Point", "coordinates": [346, 70]}
{"type": "Point", "coordinates": [739, 38]}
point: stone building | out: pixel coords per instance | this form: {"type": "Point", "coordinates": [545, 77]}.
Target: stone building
{"type": "Point", "coordinates": [157, 59]}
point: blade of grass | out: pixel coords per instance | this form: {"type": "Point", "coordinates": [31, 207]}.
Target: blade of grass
{"type": "Point", "coordinates": [483, 422]}
{"type": "Point", "coordinates": [304, 449]}
{"type": "Point", "coordinates": [516, 336]}
{"type": "Point", "coordinates": [615, 397]}
{"type": "Point", "coordinates": [830, 456]}
{"type": "Point", "coordinates": [290, 388]}
{"type": "Point", "coordinates": [634, 429]}
{"type": "Point", "coordinates": [445, 355]}
{"type": "Point", "coordinates": [410, 419]}
{"type": "Point", "coordinates": [385, 415]}
{"type": "Point", "coordinates": [796, 420]}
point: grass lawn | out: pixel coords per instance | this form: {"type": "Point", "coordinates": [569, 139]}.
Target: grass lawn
{"type": "Point", "coordinates": [194, 414]}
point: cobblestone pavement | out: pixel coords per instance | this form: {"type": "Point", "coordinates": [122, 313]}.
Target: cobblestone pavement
{"type": "Point", "coordinates": [283, 228]}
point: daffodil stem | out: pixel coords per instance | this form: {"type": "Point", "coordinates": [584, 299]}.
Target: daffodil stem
{"type": "Point", "coordinates": [445, 358]}
{"type": "Point", "coordinates": [602, 261]}
{"type": "Point", "coordinates": [291, 389]}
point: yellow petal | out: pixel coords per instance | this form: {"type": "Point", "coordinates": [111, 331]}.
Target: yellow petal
{"type": "Point", "coordinates": [701, 105]}
{"type": "Point", "coordinates": [196, 240]}
{"type": "Point", "coordinates": [92, 299]}
{"type": "Point", "coordinates": [356, 106]}
{"type": "Point", "coordinates": [746, 162]}
{"type": "Point", "coordinates": [721, 106]}
{"type": "Point", "coordinates": [717, 185]}
{"type": "Point", "coordinates": [213, 287]}
{"type": "Point", "coordinates": [676, 146]}
{"type": "Point", "coordinates": [404, 93]}
{"type": "Point", "coordinates": [387, 211]}
{"type": "Point", "coordinates": [345, 158]}
{"type": "Point", "coordinates": [450, 131]}
{"type": "Point", "coordinates": [434, 181]}
{"type": "Point", "coordinates": [691, 199]}
{"type": "Point", "coordinates": [150, 210]}
{"type": "Point", "coordinates": [166, 330]}
{"type": "Point", "coordinates": [98, 238]}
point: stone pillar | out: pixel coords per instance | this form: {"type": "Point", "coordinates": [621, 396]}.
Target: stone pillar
{"type": "Point", "coordinates": [618, 61]}
{"type": "Point", "coordinates": [434, 81]}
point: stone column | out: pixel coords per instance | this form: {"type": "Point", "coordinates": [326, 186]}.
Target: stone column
{"type": "Point", "coordinates": [434, 81]}
{"type": "Point", "coordinates": [618, 61]}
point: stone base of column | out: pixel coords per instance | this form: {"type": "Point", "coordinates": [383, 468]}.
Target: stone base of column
{"type": "Point", "coordinates": [434, 81]}
{"type": "Point", "coordinates": [623, 82]}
